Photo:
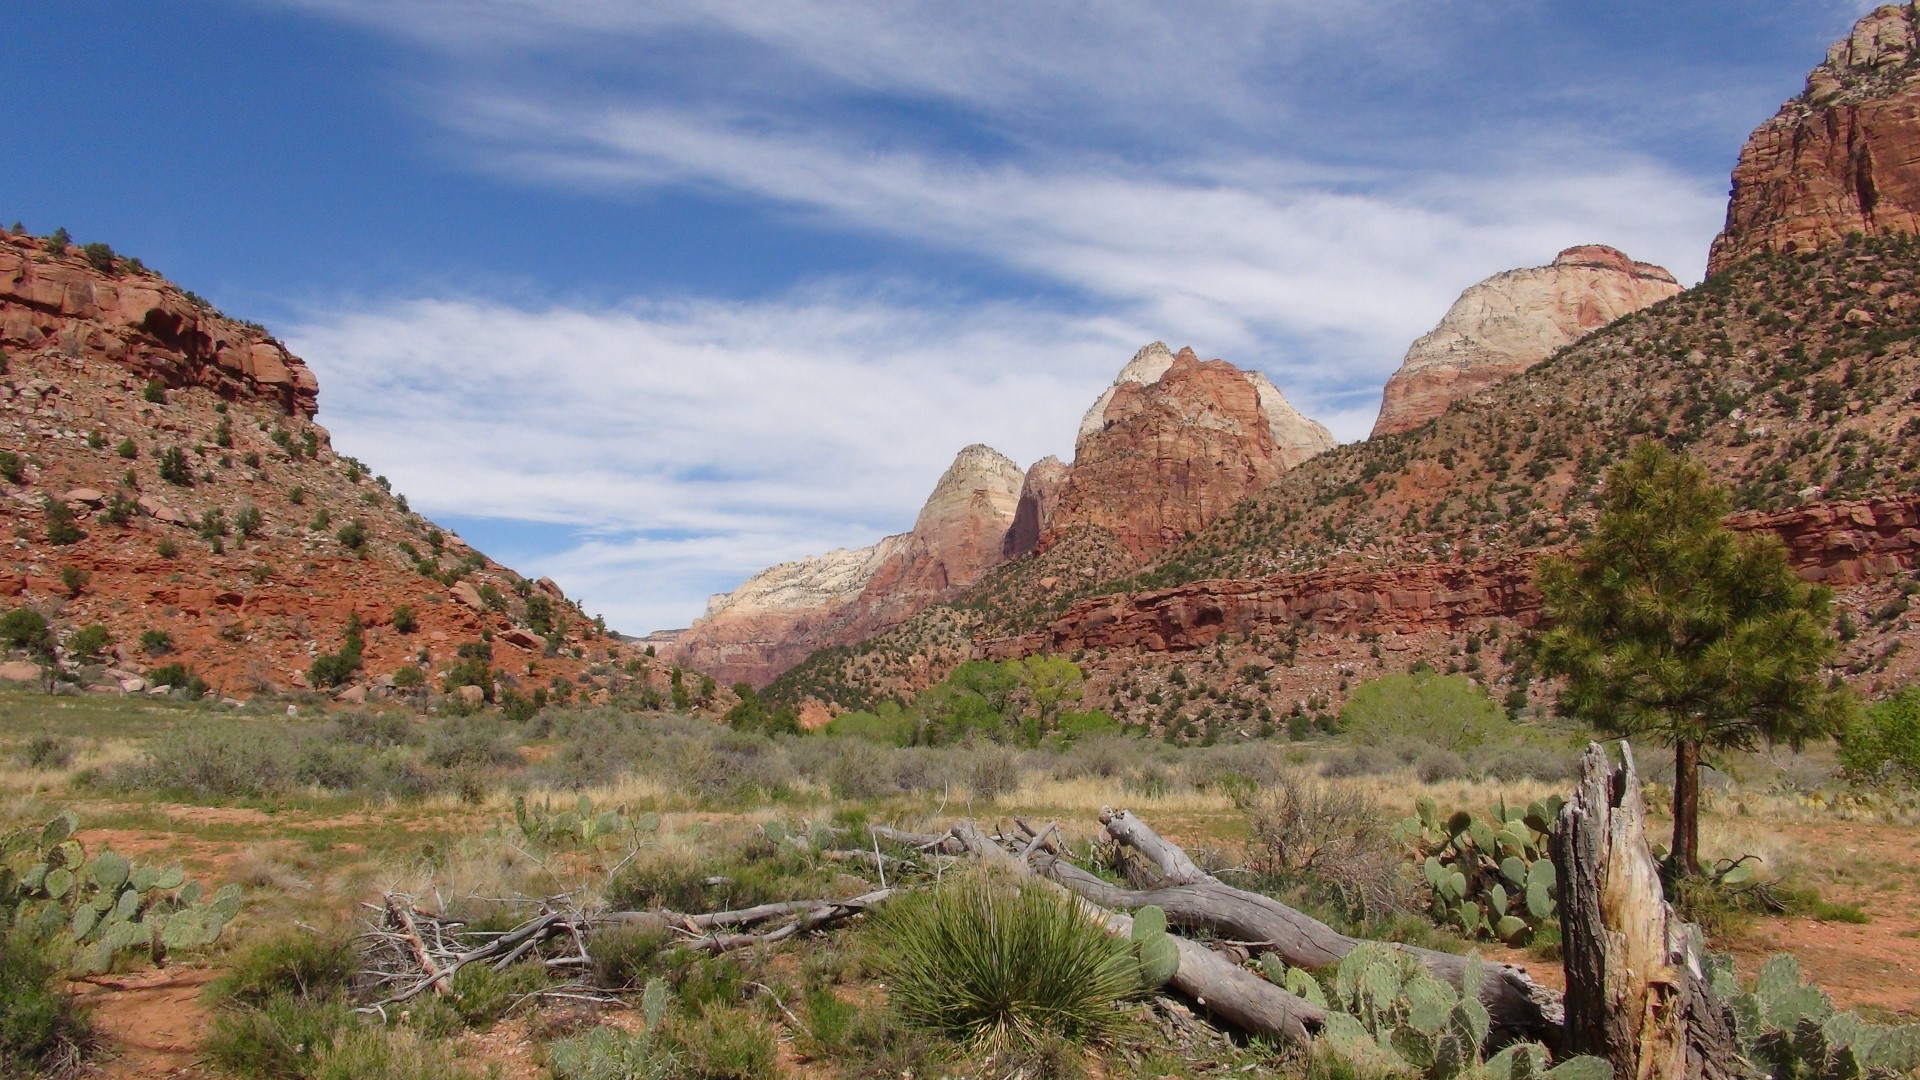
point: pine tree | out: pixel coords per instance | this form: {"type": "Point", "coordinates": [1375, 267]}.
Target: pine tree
{"type": "Point", "coordinates": [1666, 623]}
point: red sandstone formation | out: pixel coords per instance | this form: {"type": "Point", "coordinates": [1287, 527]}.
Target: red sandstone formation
{"type": "Point", "coordinates": [1839, 159]}
{"type": "Point", "coordinates": [784, 613]}
{"type": "Point", "coordinates": [245, 607]}
{"type": "Point", "coordinates": [146, 324]}
{"type": "Point", "coordinates": [1839, 544]}
{"type": "Point", "coordinates": [1170, 455]}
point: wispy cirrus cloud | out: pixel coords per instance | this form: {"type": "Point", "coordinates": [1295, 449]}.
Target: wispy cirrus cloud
{"type": "Point", "coordinates": [1297, 186]}
{"type": "Point", "coordinates": [675, 448]}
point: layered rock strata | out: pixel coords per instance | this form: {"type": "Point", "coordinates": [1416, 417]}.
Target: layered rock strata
{"type": "Point", "coordinates": [140, 320]}
{"type": "Point", "coordinates": [1838, 544]}
{"type": "Point", "coordinates": [782, 614]}
{"type": "Point", "coordinates": [1177, 440]}
{"type": "Point", "coordinates": [1841, 158]}
{"type": "Point", "coordinates": [1512, 321]}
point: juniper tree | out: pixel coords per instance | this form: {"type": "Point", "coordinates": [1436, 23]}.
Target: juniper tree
{"type": "Point", "coordinates": [1668, 624]}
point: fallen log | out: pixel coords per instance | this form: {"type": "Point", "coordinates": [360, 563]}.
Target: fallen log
{"type": "Point", "coordinates": [1194, 898]}
{"type": "Point", "coordinates": [1637, 990]}
{"type": "Point", "coordinates": [1224, 989]}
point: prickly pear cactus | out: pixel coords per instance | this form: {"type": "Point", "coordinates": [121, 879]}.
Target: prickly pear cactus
{"type": "Point", "coordinates": [1394, 1017]}
{"type": "Point", "coordinates": [1789, 1029]}
{"type": "Point", "coordinates": [579, 826]}
{"type": "Point", "coordinates": [1159, 957]}
{"type": "Point", "coordinates": [1489, 877]}
{"type": "Point", "coordinates": [106, 905]}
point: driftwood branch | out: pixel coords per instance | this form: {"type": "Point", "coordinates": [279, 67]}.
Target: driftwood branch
{"type": "Point", "coordinates": [1194, 898]}
{"type": "Point", "coordinates": [1637, 991]}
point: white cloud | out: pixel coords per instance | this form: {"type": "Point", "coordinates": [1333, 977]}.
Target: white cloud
{"type": "Point", "coordinates": [684, 446]}
{"type": "Point", "coordinates": [1129, 64]}
{"type": "Point", "coordinates": [1131, 156]}
{"type": "Point", "coordinates": [1232, 257]}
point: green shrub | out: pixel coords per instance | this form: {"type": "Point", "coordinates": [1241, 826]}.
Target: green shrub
{"type": "Point", "coordinates": [311, 967]}
{"type": "Point", "coordinates": [470, 742]}
{"type": "Point", "coordinates": [127, 449]}
{"type": "Point", "coordinates": [1446, 712]}
{"type": "Point", "coordinates": [403, 620]}
{"type": "Point", "coordinates": [25, 628]}
{"type": "Point", "coordinates": [39, 1025]}
{"type": "Point", "coordinates": [11, 467]}
{"type": "Point", "coordinates": [282, 1039]}
{"type": "Point", "coordinates": [728, 1044]}
{"type": "Point", "coordinates": [57, 241]}
{"type": "Point", "coordinates": [174, 468]}
{"type": "Point", "coordinates": [363, 1052]}
{"type": "Point", "coordinates": [248, 521]}
{"type": "Point", "coordinates": [212, 763]}
{"type": "Point", "coordinates": [1001, 967]}
{"type": "Point", "coordinates": [90, 640]}
{"type": "Point", "coordinates": [352, 535]}
{"type": "Point", "coordinates": [99, 256]}
{"type": "Point", "coordinates": [1883, 745]}
{"type": "Point", "coordinates": [156, 642]}
{"type": "Point", "coordinates": [60, 524]}
{"type": "Point", "coordinates": [46, 751]}
{"type": "Point", "coordinates": [155, 392]}
{"type": "Point", "coordinates": [482, 995]}
{"type": "Point", "coordinates": [889, 726]}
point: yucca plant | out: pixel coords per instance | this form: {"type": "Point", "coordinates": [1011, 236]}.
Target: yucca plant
{"type": "Point", "coordinates": [1001, 966]}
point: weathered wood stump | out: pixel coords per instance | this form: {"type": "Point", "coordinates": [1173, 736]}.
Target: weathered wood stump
{"type": "Point", "coordinates": [1637, 991]}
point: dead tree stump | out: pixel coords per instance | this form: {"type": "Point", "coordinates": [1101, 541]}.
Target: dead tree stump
{"type": "Point", "coordinates": [1637, 990]}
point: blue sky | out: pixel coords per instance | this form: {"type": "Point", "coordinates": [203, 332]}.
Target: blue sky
{"type": "Point", "coordinates": [648, 296]}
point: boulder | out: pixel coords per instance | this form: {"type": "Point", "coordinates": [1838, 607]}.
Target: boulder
{"type": "Point", "coordinates": [468, 595]}
{"type": "Point", "coordinates": [522, 638]}
{"type": "Point", "coordinates": [85, 496]}
{"type": "Point", "coordinates": [21, 671]}
{"type": "Point", "coordinates": [471, 696]}
{"type": "Point", "coordinates": [162, 512]}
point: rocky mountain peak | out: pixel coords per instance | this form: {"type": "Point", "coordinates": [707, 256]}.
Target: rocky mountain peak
{"type": "Point", "coordinates": [1176, 441]}
{"type": "Point", "coordinates": [1146, 367]}
{"type": "Point", "coordinates": [1882, 43]}
{"type": "Point", "coordinates": [1512, 321]}
{"type": "Point", "coordinates": [1838, 159]}
{"type": "Point", "coordinates": [979, 478]}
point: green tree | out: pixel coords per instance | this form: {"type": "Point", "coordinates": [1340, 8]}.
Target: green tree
{"type": "Point", "coordinates": [1446, 712]}
{"type": "Point", "coordinates": [1667, 623]}
{"type": "Point", "coordinates": [1884, 744]}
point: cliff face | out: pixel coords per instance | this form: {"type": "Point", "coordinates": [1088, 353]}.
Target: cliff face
{"type": "Point", "coordinates": [1840, 544]}
{"type": "Point", "coordinates": [778, 616]}
{"type": "Point", "coordinates": [1512, 321]}
{"type": "Point", "coordinates": [1038, 508]}
{"type": "Point", "coordinates": [206, 505]}
{"type": "Point", "coordinates": [1842, 157]}
{"type": "Point", "coordinates": [782, 614]}
{"type": "Point", "coordinates": [1177, 441]}
{"type": "Point", "coordinates": [956, 539]}
{"type": "Point", "coordinates": [143, 323]}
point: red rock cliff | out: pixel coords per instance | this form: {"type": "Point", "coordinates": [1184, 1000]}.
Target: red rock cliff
{"type": "Point", "coordinates": [145, 323]}
{"type": "Point", "coordinates": [1169, 455]}
{"type": "Point", "coordinates": [1840, 158]}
